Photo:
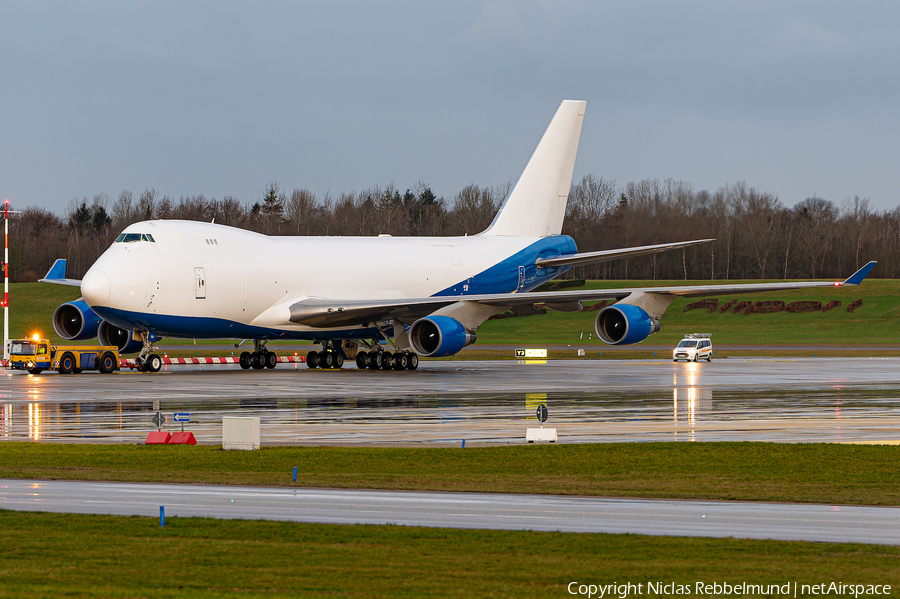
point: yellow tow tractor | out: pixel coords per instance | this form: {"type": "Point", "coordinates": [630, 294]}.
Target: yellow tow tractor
{"type": "Point", "coordinates": [37, 355]}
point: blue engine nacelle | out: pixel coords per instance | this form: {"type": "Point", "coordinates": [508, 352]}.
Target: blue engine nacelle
{"type": "Point", "coordinates": [75, 321]}
{"type": "Point", "coordinates": [124, 340]}
{"type": "Point", "coordinates": [623, 324]}
{"type": "Point", "coordinates": [436, 336]}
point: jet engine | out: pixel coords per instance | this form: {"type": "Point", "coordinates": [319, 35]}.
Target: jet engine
{"type": "Point", "coordinates": [624, 324]}
{"type": "Point", "coordinates": [75, 321]}
{"type": "Point", "coordinates": [121, 338]}
{"type": "Point", "coordinates": [437, 336]}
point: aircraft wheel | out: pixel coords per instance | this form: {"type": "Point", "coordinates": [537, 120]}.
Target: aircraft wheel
{"type": "Point", "coordinates": [271, 360]}
{"type": "Point", "coordinates": [312, 359]}
{"type": "Point", "coordinates": [257, 360]}
{"type": "Point", "coordinates": [338, 360]}
{"type": "Point", "coordinates": [362, 360]}
{"type": "Point", "coordinates": [375, 360]}
{"type": "Point", "coordinates": [66, 364]}
{"type": "Point", "coordinates": [154, 363]}
{"type": "Point", "coordinates": [244, 360]}
{"type": "Point", "coordinates": [401, 361]}
{"type": "Point", "coordinates": [326, 359]}
{"type": "Point", "coordinates": [107, 363]}
{"type": "Point", "coordinates": [412, 361]}
{"type": "Point", "coordinates": [387, 361]}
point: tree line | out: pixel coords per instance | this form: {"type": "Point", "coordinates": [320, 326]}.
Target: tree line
{"type": "Point", "coordinates": [757, 235]}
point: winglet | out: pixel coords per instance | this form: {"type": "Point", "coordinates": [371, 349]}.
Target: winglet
{"type": "Point", "coordinates": [57, 274]}
{"type": "Point", "coordinates": [857, 277]}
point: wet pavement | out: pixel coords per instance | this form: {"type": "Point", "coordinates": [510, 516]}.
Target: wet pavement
{"type": "Point", "coordinates": [797, 522]}
{"type": "Point", "coordinates": [589, 400]}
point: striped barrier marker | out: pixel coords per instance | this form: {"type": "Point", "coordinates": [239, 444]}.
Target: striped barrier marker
{"type": "Point", "coordinates": [131, 362]}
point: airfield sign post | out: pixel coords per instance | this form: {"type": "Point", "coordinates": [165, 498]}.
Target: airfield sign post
{"type": "Point", "coordinates": [181, 417]}
{"type": "Point", "coordinates": [541, 434]}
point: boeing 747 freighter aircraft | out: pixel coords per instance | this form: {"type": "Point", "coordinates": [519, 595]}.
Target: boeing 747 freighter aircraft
{"type": "Point", "coordinates": [421, 296]}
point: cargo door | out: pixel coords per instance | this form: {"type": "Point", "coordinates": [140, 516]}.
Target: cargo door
{"type": "Point", "coordinates": [199, 282]}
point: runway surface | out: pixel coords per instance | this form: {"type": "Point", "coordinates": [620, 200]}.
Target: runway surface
{"type": "Point", "coordinates": [589, 400]}
{"type": "Point", "coordinates": [464, 510]}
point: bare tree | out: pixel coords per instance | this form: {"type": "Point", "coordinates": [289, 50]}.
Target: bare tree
{"type": "Point", "coordinates": [816, 219]}
{"type": "Point", "coordinates": [858, 219]}
{"type": "Point", "coordinates": [300, 209]}
{"type": "Point", "coordinates": [123, 212]}
{"type": "Point", "coordinates": [147, 204]}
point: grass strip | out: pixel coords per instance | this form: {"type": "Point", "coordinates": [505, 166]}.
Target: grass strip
{"type": "Point", "coordinates": [53, 555]}
{"type": "Point", "coordinates": [747, 471]}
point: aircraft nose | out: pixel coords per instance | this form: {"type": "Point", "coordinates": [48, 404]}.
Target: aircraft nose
{"type": "Point", "coordinates": [95, 287]}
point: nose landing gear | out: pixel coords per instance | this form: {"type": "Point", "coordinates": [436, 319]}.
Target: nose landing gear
{"type": "Point", "coordinates": [146, 360]}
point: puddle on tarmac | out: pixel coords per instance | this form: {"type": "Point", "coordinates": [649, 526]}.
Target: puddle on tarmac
{"type": "Point", "coordinates": [836, 413]}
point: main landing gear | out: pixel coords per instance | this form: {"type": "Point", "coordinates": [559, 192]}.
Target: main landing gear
{"type": "Point", "coordinates": [327, 358]}
{"type": "Point", "coordinates": [374, 359]}
{"type": "Point", "coordinates": [385, 360]}
{"type": "Point", "coordinates": [260, 357]}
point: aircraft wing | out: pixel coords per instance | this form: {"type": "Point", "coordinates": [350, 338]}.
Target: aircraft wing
{"type": "Point", "coordinates": [334, 313]}
{"type": "Point", "coordinates": [608, 255]}
{"type": "Point", "coordinates": [57, 274]}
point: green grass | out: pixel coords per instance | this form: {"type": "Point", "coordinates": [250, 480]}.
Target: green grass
{"type": "Point", "coordinates": [32, 305]}
{"type": "Point", "coordinates": [811, 473]}
{"type": "Point", "coordinates": [53, 555]}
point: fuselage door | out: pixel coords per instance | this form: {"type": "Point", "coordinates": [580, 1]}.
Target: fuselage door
{"type": "Point", "coordinates": [200, 282]}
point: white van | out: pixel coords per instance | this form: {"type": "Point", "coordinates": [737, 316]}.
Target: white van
{"type": "Point", "coordinates": [694, 347]}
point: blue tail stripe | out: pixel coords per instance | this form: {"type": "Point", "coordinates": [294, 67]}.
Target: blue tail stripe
{"type": "Point", "coordinates": [504, 277]}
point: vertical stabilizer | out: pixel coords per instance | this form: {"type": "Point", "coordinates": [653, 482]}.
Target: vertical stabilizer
{"type": "Point", "coordinates": [537, 204]}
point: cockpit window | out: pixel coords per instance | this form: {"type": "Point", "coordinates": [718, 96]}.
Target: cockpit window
{"type": "Point", "coordinates": [146, 237]}
{"type": "Point", "coordinates": [132, 237]}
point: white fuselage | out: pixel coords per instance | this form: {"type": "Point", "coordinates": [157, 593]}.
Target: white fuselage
{"type": "Point", "coordinates": [226, 276]}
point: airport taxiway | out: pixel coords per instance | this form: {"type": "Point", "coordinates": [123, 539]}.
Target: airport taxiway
{"type": "Point", "coordinates": [798, 522]}
{"type": "Point", "coordinates": [589, 400]}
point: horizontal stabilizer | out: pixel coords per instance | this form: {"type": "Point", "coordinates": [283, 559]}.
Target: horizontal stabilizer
{"type": "Point", "coordinates": [57, 275]}
{"type": "Point", "coordinates": [608, 255]}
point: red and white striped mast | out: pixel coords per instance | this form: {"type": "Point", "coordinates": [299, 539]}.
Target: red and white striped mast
{"type": "Point", "coordinates": [6, 280]}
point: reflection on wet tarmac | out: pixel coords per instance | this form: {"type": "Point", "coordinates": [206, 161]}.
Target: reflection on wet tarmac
{"type": "Point", "coordinates": [688, 413]}
{"type": "Point", "coordinates": [493, 402]}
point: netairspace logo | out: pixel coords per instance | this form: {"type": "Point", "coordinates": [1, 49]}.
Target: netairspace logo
{"type": "Point", "coordinates": [720, 589]}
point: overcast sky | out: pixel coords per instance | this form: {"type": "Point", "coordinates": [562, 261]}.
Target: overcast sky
{"type": "Point", "coordinates": [217, 98]}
